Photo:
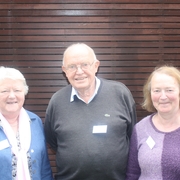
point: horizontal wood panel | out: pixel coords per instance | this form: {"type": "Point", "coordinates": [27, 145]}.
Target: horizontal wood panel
{"type": "Point", "coordinates": [88, 31]}
{"type": "Point", "coordinates": [101, 19]}
{"type": "Point", "coordinates": [119, 45]}
{"type": "Point", "coordinates": [91, 1]}
{"type": "Point", "coordinates": [138, 38]}
{"type": "Point", "coordinates": [86, 6]}
{"type": "Point", "coordinates": [57, 51]}
{"type": "Point", "coordinates": [89, 25]}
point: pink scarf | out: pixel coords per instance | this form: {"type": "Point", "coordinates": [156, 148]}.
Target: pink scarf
{"type": "Point", "coordinates": [25, 140]}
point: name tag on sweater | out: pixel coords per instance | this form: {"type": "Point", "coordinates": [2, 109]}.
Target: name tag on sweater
{"type": "Point", "coordinates": [150, 142]}
{"type": "Point", "coordinates": [99, 129]}
{"type": "Point", "coordinates": [4, 144]}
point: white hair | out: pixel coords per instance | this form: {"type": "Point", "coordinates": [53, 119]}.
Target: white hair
{"type": "Point", "coordinates": [12, 73]}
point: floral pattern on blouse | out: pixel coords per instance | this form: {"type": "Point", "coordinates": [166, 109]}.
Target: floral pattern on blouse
{"type": "Point", "coordinates": [14, 160]}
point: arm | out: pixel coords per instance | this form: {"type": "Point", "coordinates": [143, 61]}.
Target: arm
{"type": "Point", "coordinates": [46, 173]}
{"type": "Point", "coordinates": [133, 121]}
{"type": "Point", "coordinates": [49, 133]}
{"type": "Point", "coordinates": [133, 170]}
{"type": "Point", "coordinates": [131, 111]}
{"type": "Point", "coordinates": [39, 157]}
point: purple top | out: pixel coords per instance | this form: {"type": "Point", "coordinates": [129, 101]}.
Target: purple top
{"type": "Point", "coordinates": [153, 154]}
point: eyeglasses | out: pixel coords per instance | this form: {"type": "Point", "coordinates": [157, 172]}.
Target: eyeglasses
{"type": "Point", "coordinates": [83, 66]}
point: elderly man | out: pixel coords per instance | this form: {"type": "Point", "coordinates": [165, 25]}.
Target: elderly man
{"type": "Point", "coordinates": [89, 122]}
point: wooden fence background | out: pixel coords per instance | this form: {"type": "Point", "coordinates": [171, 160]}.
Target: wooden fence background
{"type": "Point", "coordinates": [130, 38]}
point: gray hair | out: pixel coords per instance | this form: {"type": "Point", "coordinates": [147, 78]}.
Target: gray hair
{"type": "Point", "coordinates": [12, 73]}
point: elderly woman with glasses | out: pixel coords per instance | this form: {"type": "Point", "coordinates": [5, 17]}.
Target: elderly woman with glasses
{"type": "Point", "coordinates": [23, 152]}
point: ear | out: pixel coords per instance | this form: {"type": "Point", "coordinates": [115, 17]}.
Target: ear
{"type": "Point", "coordinates": [63, 69]}
{"type": "Point", "coordinates": [97, 63]}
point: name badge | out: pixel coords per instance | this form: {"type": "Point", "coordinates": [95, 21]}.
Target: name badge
{"type": "Point", "coordinates": [150, 142]}
{"type": "Point", "coordinates": [100, 129]}
{"type": "Point", "coordinates": [4, 144]}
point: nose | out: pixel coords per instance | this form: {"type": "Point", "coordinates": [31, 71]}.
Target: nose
{"type": "Point", "coordinates": [79, 69]}
{"type": "Point", "coordinates": [163, 94]}
{"type": "Point", "coordinates": [11, 93]}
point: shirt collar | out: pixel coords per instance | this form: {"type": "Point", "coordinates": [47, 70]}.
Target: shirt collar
{"type": "Point", "coordinates": [75, 93]}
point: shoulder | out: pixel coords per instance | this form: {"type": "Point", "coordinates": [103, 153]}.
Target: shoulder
{"type": "Point", "coordinates": [35, 119]}
{"type": "Point", "coordinates": [62, 92]}
{"type": "Point", "coordinates": [32, 115]}
{"type": "Point", "coordinates": [144, 124]}
{"type": "Point", "coordinates": [112, 82]}
{"type": "Point", "coordinates": [117, 92]}
{"type": "Point", "coordinates": [114, 86]}
{"type": "Point", "coordinates": [59, 98]}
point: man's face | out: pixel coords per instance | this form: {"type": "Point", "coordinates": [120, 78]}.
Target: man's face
{"type": "Point", "coordinates": [80, 67]}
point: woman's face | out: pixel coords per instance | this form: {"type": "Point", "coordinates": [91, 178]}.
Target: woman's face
{"type": "Point", "coordinates": [11, 96]}
{"type": "Point", "coordinates": [165, 93]}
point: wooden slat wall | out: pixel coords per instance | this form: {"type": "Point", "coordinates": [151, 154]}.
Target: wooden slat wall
{"type": "Point", "coordinates": [130, 38]}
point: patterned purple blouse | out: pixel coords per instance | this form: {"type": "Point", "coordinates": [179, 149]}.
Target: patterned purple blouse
{"type": "Point", "coordinates": [153, 155]}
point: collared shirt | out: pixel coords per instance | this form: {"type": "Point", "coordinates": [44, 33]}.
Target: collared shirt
{"type": "Point", "coordinates": [74, 92]}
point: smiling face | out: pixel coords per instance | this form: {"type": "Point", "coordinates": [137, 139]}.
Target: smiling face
{"type": "Point", "coordinates": [165, 93]}
{"type": "Point", "coordinates": [12, 96]}
{"type": "Point", "coordinates": [81, 79]}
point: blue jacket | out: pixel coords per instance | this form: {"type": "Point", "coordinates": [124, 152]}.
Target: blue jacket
{"type": "Point", "coordinates": [41, 169]}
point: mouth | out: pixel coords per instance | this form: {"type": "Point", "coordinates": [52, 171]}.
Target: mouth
{"type": "Point", "coordinates": [80, 78]}
{"type": "Point", "coordinates": [164, 103]}
{"type": "Point", "coordinates": [11, 102]}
